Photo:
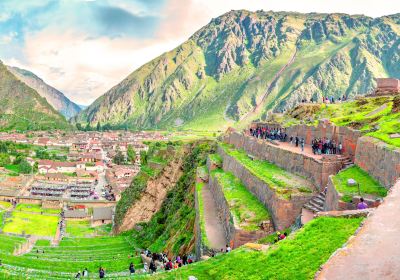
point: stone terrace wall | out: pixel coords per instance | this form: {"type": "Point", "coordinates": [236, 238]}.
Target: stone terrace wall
{"type": "Point", "coordinates": [347, 136]}
{"type": "Point", "coordinates": [379, 159]}
{"type": "Point", "coordinates": [315, 170]}
{"type": "Point", "coordinates": [224, 213]}
{"type": "Point", "coordinates": [283, 212]}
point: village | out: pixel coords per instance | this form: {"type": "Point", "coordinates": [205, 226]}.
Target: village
{"type": "Point", "coordinates": [71, 171]}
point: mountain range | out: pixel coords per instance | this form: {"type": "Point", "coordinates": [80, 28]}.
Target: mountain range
{"type": "Point", "coordinates": [23, 108]}
{"type": "Point", "coordinates": [244, 64]}
{"type": "Point", "coordinates": [55, 98]}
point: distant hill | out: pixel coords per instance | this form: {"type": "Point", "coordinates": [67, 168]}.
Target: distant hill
{"type": "Point", "coordinates": [22, 108]}
{"type": "Point", "coordinates": [244, 64]}
{"type": "Point", "coordinates": [55, 98]}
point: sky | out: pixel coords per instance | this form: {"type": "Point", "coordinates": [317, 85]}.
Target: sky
{"type": "Point", "coordinates": [84, 47]}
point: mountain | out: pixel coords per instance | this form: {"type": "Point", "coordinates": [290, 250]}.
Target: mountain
{"type": "Point", "coordinates": [55, 98]}
{"type": "Point", "coordinates": [22, 108]}
{"type": "Point", "coordinates": [244, 64]}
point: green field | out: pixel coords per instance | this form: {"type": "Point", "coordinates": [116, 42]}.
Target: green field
{"type": "Point", "coordinates": [33, 224]}
{"type": "Point", "coordinates": [369, 187]}
{"type": "Point", "coordinates": [297, 257]}
{"type": "Point", "coordinates": [72, 255]}
{"type": "Point", "coordinates": [285, 184]}
{"type": "Point", "coordinates": [84, 229]}
{"type": "Point", "coordinates": [36, 208]}
{"type": "Point", "coordinates": [5, 205]}
{"type": "Point", "coordinates": [246, 209]}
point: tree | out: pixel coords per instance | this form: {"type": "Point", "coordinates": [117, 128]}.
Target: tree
{"type": "Point", "coordinates": [3, 147]}
{"type": "Point", "coordinates": [131, 153]}
{"type": "Point", "coordinates": [25, 167]}
{"type": "Point", "coordinates": [4, 159]}
{"type": "Point", "coordinates": [98, 127]}
{"type": "Point", "coordinates": [143, 157]}
{"type": "Point", "coordinates": [79, 126]}
{"type": "Point", "coordinates": [87, 127]}
{"type": "Point", "coordinates": [119, 157]}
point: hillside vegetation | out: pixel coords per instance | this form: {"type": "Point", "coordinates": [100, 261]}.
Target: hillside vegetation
{"type": "Point", "coordinates": [22, 108]}
{"type": "Point", "coordinates": [243, 64]}
{"type": "Point", "coordinates": [297, 257]}
{"type": "Point", "coordinates": [377, 117]}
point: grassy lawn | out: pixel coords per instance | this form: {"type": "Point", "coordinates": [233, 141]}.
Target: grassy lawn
{"type": "Point", "coordinates": [204, 239]}
{"type": "Point", "coordinates": [84, 229]}
{"type": "Point", "coordinates": [1, 218]}
{"type": "Point", "coordinates": [246, 209]}
{"type": "Point", "coordinates": [34, 224]}
{"type": "Point", "coordinates": [215, 159]}
{"type": "Point", "coordinates": [35, 208]}
{"type": "Point", "coordinates": [72, 254]}
{"type": "Point", "coordinates": [12, 167]}
{"type": "Point", "coordinates": [5, 205]}
{"type": "Point", "coordinates": [284, 183]}
{"type": "Point", "coordinates": [369, 187]}
{"type": "Point", "coordinates": [297, 257]}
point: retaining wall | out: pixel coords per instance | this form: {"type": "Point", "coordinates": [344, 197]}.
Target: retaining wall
{"type": "Point", "coordinates": [283, 212]}
{"type": "Point", "coordinates": [347, 136]}
{"type": "Point", "coordinates": [317, 171]}
{"type": "Point", "coordinates": [379, 159]}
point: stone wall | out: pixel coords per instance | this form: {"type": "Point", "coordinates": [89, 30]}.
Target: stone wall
{"type": "Point", "coordinates": [317, 171]}
{"type": "Point", "coordinates": [379, 159]}
{"type": "Point", "coordinates": [347, 136]}
{"type": "Point", "coordinates": [224, 213]}
{"type": "Point", "coordinates": [333, 200]}
{"type": "Point", "coordinates": [283, 212]}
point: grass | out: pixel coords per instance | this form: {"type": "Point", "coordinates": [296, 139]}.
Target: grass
{"type": "Point", "coordinates": [31, 224]}
{"type": "Point", "coordinates": [361, 114]}
{"type": "Point", "coordinates": [297, 257]}
{"type": "Point", "coordinates": [270, 239]}
{"type": "Point", "coordinates": [72, 254]}
{"type": "Point", "coordinates": [5, 205]}
{"type": "Point", "coordinates": [36, 208]}
{"type": "Point", "coordinates": [204, 239]}
{"type": "Point", "coordinates": [369, 187]}
{"type": "Point", "coordinates": [246, 209]}
{"type": "Point", "coordinates": [216, 159]}
{"type": "Point", "coordinates": [13, 168]}
{"type": "Point", "coordinates": [282, 182]}
{"type": "Point", "coordinates": [84, 229]}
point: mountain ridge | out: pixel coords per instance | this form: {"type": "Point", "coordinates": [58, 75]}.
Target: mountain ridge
{"type": "Point", "coordinates": [55, 97]}
{"type": "Point", "coordinates": [222, 72]}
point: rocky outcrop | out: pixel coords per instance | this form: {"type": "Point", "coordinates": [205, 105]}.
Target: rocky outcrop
{"type": "Point", "coordinates": [153, 196]}
{"type": "Point", "coordinates": [236, 60]}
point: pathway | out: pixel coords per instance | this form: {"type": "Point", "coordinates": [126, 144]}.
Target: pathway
{"type": "Point", "coordinates": [214, 229]}
{"type": "Point", "coordinates": [374, 253]}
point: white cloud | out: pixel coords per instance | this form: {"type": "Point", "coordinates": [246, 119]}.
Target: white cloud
{"type": "Point", "coordinates": [86, 68]}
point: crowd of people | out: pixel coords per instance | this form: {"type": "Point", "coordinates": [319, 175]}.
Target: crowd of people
{"type": "Point", "coordinates": [266, 132]}
{"type": "Point", "coordinates": [162, 262]}
{"type": "Point", "coordinates": [326, 146]}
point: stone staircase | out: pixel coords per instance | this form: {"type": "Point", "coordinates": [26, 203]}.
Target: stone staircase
{"type": "Point", "coordinates": [347, 162]}
{"type": "Point", "coordinates": [316, 204]}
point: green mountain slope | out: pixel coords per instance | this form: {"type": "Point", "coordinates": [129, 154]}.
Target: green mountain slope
{"type": "Point", "coordinates": [22, 108]}
{"type": "Point", "coordinates": [55, 98]}
{"type": "Point", "coordinates": [244, 64]}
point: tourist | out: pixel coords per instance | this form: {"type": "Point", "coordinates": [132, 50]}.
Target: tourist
{"type": "Point", "coordinates": [228, 249]}
{"type": "Point", "coordinates": [145, 267]}
{"type": "Point", "coordinates": [340, 147]}
{"type": "Point", "coordinates": [362, 205]}
{"type": "Point", "coordinates": [131, 268]}
{"type": "Point", "coordinates": [78, 275]}
{"type": "Point", "coordinates": [302, 144]}
{"type": "Point", "coordinates": [184, 260]}
{"type": "Point", "coordinates": [85, 273]}
{"type": "Point", "coordinates": [102, 273]}
{"type": "Point", "coordinates": [297, 141]}
{"type": "Point", "coordinates": [152, 266]}
{"type": "Point", "coordinates": [169, 265]}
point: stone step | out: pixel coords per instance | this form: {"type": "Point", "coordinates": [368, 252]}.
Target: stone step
{"type": "Point", "coordinates": [311, 208]}
{"type": "Point", "coordinates": [318, 200]}
{"type": "Point", "coordinates": [318, 206]}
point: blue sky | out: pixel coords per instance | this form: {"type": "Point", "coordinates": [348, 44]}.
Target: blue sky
{"type": "Point", "coordinates": [84, 47]}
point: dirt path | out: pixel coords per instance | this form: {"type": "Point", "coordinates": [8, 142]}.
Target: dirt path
{"type": "Point", "coordinates": [374, 253]}
{"type": "Point", "coordinates": [214, 229]}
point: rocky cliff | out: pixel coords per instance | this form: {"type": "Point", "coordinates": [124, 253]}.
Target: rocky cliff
{"type": "Point", "coordinates": [53, 96]}
{"type": "Point", "coordinates": [244, 64]}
